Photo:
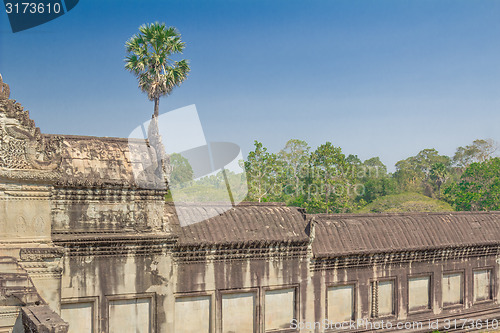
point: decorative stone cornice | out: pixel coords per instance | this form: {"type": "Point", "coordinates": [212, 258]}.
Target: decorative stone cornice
{"type": "Point", "coordinates": [403, 257]}
{"type": "Point", "coordinates": [99, 244]}
{"type": "Point", "coordinates": [107, 193]}
{"type": "Point", "coordinates": [228, 252]}
{"type": "Point", "coordinates": [41, 253]}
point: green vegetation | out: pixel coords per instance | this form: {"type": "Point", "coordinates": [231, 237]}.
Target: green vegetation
{"type": "Point", "coordinates": [149, 58]}
{"type": "Point", "coordinates": [326, 181]}
{"type": "Point", "coordinates": [478, 187]}
{"type": "Point", "coordinates": [211, 188]}
{"type": "Point", "coordinates": [406, 202]}
{"type": "Point", "coordinates": [182, 172]}
{"type": "Point", "coordinates": [323, 180]}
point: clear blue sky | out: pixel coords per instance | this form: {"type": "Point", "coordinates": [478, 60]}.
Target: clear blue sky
{"type": "Point", "coordinates": [377, 78]}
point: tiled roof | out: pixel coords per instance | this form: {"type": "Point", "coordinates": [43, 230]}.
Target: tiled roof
{"type": "Point", "coordinates": [345, 234]}
{"type": "Point", "coordinates": [246, 223]}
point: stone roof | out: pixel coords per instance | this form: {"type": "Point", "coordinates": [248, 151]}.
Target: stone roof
{"type": "Point", "coordinates": [246, 223]}
{"type": "Point", "coordinates": [346, 234]}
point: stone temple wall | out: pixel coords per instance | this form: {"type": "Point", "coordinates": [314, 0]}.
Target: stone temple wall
{"type": "Point", "coordinates": [30, 265]}
{"type": "Point", "coordinates": [87, 247]}
{"type": "Point", "coordinates": [75, 225]}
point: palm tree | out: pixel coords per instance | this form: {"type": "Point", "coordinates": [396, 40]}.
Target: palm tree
{"type": "Point", "coordinates": [439, 174]}
{"type": "Point", "coordinates": [149, 58]}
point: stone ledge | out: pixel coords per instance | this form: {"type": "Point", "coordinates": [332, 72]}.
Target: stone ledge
{"type": "Point", "coordinates": [41, 319]}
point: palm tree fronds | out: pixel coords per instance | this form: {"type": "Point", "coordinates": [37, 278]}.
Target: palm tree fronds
{"type": "Point", "coordinates": [148, 57]}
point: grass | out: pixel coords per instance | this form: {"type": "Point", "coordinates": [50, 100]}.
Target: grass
{"type": "Point", "coordinates": [406, 202]}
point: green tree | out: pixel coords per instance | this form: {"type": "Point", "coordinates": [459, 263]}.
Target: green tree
{"type": "Point", "coordinates": [353, 160]}
{"type": "Point", "coordinates": [426, 158]}
{"type": "Point", "coordinates": [375, 180]}
{"type": "Point", "coordinates": [374, 166]}
{"type": "Point", "coordinates": [294, 158]}
{"type": "Point", "coordinates": [478, 188]}
{"type": "Point", "coordinates": [330, 186]}
{"type": "Point", "coordinates": [478, 151]}
{"type": "Point", "coordinates": [182, 172]}
{"type": "Point", "coordinates": [439, 175]}
{"type": "Point", "coordinates": [262, 173]}
{"type": "Point", "coordinates": [413, 173]}
{"type": "Point", "coordinates": [149, 58]}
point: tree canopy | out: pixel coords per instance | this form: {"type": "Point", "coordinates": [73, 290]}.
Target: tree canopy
{"type": "Point", "coordinates": [149, 58]}
{"type": "Point", "coordinates": [324, 180]}
{"type": "Point", "coordinates": [478, 151]}
{"type": "Point", "coordinates": [478, 188]}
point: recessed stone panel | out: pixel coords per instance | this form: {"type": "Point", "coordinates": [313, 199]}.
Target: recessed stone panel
{"type": "Point", "coordinates": [80, 316]}
{"type": "Point", "coordinates": [192, 314]}
{"type": "Point", "coordinates": [280, 308]}
{"type": "Point", "coordinates": [418, 293]}
{"type": "Point", "coordinates": [453, 289]}
{"type": "Point", "coordinates": [130, 315]}
{"type": "Point", "coordinates": [482, 285]}
{"type": "Point", "coordinates": [340, 303]}
{"type": "Point", "coordinates": [238, 313]}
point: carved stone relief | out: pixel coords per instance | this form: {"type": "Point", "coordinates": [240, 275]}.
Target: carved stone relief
{"type": "Point", "coordinates": [22, 146]}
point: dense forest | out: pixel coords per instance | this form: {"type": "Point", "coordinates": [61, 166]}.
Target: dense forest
{"type": "Point", "coordinates": [325, 180]}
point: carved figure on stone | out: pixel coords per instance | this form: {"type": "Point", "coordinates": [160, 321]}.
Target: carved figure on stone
{"type": "Point", "coordinates": [39, 223]}
{"type": "Point", "coordinates": [162, 169]}
{"type": "Point", "coordinates": [22, 146]}
{"type": "Point", "coordinates": [21, 225]}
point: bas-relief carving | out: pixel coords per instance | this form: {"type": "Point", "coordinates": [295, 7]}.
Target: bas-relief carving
{"type": "Point", "coordinates": [104, 211]}
{"type": "Point", "coordinates": [24, 148]}
{"type": "Point", "coordinates": [24, 228]}
{"type": "Point", "coordinates": [28, 167]}
{"type": "Point", "coordinates": [25, 213]}
{"type": "Point", "coordinates": [24, 152]}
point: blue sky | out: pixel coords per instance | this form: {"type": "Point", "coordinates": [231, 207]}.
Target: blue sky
{"type": "Point", "coordinates": [377, 78]}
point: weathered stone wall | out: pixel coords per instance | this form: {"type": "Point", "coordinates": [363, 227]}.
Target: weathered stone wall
{"type": "Point", "coordinates": [107, 210]}
{"type": "Point", "coordinates": [26, 212]}
{"type": "Point", "coordinates": [235, 286]}
{"type": "Point", "coordinates": [118, 274]}
{"type": "Point", "coordinates": [29, 266]}
{"type": "Point", "coordinates": [80, 237]}
{"type": "Point", "coordinates": [113, 292]}
{"type": "Point", "coordinates": [410, 302]}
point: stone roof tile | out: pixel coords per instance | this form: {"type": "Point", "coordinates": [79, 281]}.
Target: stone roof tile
{"type": "Point", "coordinates": [246, 223]}
{"type": "Point", "coordinates": [345, 234]}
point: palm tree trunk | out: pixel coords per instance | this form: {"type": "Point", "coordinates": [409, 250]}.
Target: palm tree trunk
{"type": "Point", "coordinates": [157, 107]}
